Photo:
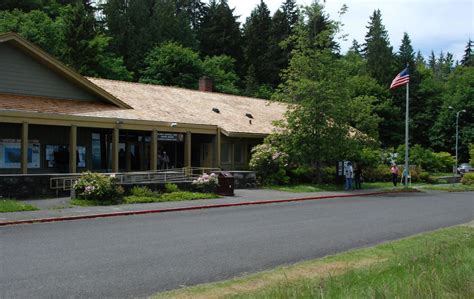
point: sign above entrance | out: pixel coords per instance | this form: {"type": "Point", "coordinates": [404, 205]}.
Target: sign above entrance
{"type": "Point", "coordinates": [170, 137]}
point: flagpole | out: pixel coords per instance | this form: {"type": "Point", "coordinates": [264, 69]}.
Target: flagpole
{"type": "Point", "coordinates": [407, 172]}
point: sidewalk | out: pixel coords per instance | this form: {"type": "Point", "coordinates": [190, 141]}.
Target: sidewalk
{"type": "Point", "coordinates": [59, 208]}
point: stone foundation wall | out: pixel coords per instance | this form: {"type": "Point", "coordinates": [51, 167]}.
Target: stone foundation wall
{"type": "Point", "coordinates": [28, 186]}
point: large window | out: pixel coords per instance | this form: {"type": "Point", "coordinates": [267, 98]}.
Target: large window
{"type": "Point", "coordinates": [238, 153]}
{"type": "Point", "coordinates": [225, 152]}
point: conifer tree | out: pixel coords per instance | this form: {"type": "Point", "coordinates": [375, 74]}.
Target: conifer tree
{"type": "Point", "coordinates": [377, 50]}
{"type": "Point", "coordinates": [406, 55]}
{"type": "Point", "coordinates": [257, 35]}
{"type": "Point", "coordinates": [219, 32]}
{"type": "Point", "coordinates": [468, 57]}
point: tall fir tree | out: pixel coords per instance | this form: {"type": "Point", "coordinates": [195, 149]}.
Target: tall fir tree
{"type": "Point", "coordinates": [468, 57]}
{"type": "Point", "coordinates": [284, 21]}
{"type": "Point", "coordinates": [137, 26]}
{"type": "Point", "coordinates": [320, 28]}
{"type": "Point", "coordinates": [219, 32]}
{"type": "Point", "coordinates": [377, 50]}
{"type": "Point", "coordinates": [406, 55]}
{"type": "Point", "coordinates": [257, 37]}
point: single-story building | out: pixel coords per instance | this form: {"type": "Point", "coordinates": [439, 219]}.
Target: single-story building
{"type": "Point", "coordinates": [53, 120]}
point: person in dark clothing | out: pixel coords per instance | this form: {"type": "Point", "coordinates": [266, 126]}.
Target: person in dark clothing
{"type": "Point", "coordinates": [358, 177]}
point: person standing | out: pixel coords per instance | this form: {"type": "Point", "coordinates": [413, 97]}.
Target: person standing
{"type": "Point", "coordinates": [166, 160]}
{"type": "Point", "coordinates": [349, 174]}
{"type": "Point", "coordinates": [358, 177]}
{"type": "Point", "coordinates": [394, 170]}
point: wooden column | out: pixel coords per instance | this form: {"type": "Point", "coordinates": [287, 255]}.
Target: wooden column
{"type": "Point", "coordinates": [218, 148]}
{"type": "Point", "coordinates": [115, 150]}
{"type": "Point", "coordinates": [187, 150]}
{"type": "Point", "coordinates": [153, 150]}
{"type": "Point", "coordinates": [73, 149]}
{"type": "Point", "coordinates": [24, 148]}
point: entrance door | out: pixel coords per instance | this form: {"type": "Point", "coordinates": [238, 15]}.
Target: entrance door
{"type": "Point", "coordinates": [206, 155]}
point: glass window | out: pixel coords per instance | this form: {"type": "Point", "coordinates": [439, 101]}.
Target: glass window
{"type": "Point", "coordinates": [238, 153]}
{"type": "Point", "coordinates": [225, 153]}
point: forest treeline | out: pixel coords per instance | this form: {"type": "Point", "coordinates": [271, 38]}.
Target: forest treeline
{"type": "Point", "coordinates": [175, 42]}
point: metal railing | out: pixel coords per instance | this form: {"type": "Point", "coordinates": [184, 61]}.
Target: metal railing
{"type": "Point", "coordinates": [174, 175]}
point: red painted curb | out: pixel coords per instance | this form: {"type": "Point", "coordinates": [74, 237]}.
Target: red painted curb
{"type": "Point", "coordinates": [141, 212]}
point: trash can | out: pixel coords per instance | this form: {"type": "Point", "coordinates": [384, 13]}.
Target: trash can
{"type": "Point", "coordinates": [226, 184]}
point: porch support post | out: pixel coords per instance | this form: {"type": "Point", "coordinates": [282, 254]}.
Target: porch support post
{"type": "Point", "coordinates": [218, 148]}
{"type": "Point", "coordinates": [128, 155]}
{"type": "Point", "coordinates": [153, 150]}
{"type": "Point", "coordinates": [187, 150]}
{"type": "Point", "coordinates": [24, 148]}
{"type": "Point", "coordinates": [115, 150]}
{"type": "Point", "coordinates": [72, 149]}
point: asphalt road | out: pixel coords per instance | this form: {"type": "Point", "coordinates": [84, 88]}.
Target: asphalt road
{"type": "Point", "coordinates": [140, 255]}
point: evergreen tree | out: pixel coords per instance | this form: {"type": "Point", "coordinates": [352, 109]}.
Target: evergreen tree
{"type": "Point", "coordinates": [432, 62]}
{"type": "Point", "coordinates": [87, 51]}
{"type": "Point", "coordinates": [420, 60]}
{"type": "Point", "coordinates": [378, 52]}
{"type": "Point", "coordinates": [137, 26]}
{"type": "Point", "coordinates": [319, 28]}
{"type": "Point", "coordinates": [291, 12]}
{"type": "Point", "coordinates": [355, 48]}
{"type": "Point", "coordinates": [406, 55]}
{"type": "Point", "coordinates": [219, 32]}
{"type": "Point", "coordinates": [257, 36]}
{"type": "Point", "coordinates": [468, 57]}
{"type": "Point", "coordinates": [283, 23]}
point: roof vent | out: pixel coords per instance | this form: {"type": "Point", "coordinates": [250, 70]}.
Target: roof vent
{"type": "Point", "coordinates": [249, 115]}
{"type": "Point", "coordinates": [216, 110]}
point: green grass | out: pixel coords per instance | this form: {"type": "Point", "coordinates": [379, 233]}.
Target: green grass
{"type": "Point", "coordinates": [301, 188]}
{"type": "Point", "coordinates": [11, 205]}
{"type": "Point", "coordinates": [87, 203]}
{"type": "Point", "coordinates": [431, 265]}
{"type": "Point", "coordinates": [174, 196]}
{"type": "Point", "coordinates": [450, 187]}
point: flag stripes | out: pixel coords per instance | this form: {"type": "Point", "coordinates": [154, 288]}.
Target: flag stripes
{"type": "Point", "coordinates": [401, 79]}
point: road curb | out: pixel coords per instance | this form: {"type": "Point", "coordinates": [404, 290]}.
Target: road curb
{"type": "Point", "coordinates": [178, 209]}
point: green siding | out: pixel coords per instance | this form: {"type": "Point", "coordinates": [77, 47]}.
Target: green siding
{"type": "Point", "coordinates": [23, 75]}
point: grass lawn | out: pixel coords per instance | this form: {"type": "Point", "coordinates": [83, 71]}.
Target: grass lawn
{"type": "Point", "coordinates": [173, 196]}
{"type": "Point", "coordinates": [11, 205]}
{"type": "Point", "coordinates": [329, 187]}
{"type": "Point", "coordinates": [450, 187]}
{"type": "Point", "coordinates": [431, 265]}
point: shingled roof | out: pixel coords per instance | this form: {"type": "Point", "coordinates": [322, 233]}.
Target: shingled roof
{"type": "Point", "coordinates": [163, 103]}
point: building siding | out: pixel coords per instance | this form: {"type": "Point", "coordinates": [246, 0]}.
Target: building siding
{"type": "Point", "coordinates": [21, 74]}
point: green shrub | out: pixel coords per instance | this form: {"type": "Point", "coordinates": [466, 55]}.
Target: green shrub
{"type": "Point", "coordinates": [468, 178]}
{"type": "Point", "coordinates": [179, 196]}
{"type": "Point", "coordinates": [380, 173]}
{"type": "Point", "coordinates": [427, 159]}
{"type": "Point", "coordinates": [426, 177]}
{"type": "Point", "coordinates": [170, 188]}
{"type": "Point", "coordinates": [97, 187]}
{"type": "Point", "coordinates": [270, 164]}
{"type": "Point", "coordinates": [142, 191]}
{"type": "Point", "coordinates": [301, 174]}
{"type": "Point", "coordinates": [328, 174]}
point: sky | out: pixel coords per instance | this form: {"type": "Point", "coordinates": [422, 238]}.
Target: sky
{"type": "Point", "coordinates": [438, 25]}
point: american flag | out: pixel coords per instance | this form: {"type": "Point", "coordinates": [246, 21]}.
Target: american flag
{"type": "Point", "coordinates": [400, 79]}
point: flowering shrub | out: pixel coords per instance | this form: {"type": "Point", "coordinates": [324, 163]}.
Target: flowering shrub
{"type": "Point", "coordinates": [206, 182]}
{"type": "Point", "coordinates": [270, 164]}
{"type": "Point", "coordinates": [97, 187]}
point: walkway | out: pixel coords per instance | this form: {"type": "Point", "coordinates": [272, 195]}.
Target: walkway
{"type": "Point", "coordinates": [60, 207]}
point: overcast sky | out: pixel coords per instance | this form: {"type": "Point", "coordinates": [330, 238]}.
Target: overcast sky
{"type": "Point", "coordinates": [438, 25]}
